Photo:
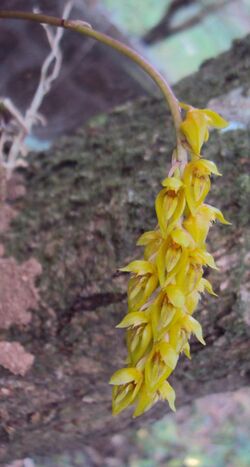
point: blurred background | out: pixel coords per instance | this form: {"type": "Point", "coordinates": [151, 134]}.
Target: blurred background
{"type": "Point", "coordinates": [176, 36]}
{"type": "Point", "coordinates": [179, 35]}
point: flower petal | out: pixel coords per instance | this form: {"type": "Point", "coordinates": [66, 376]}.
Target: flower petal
{"type": "Point", "coordinates": [210, 166]}
{"type": "Point", "coordinates": [175, 295]}
{"type": "Point", "coordinates": [148, 237]}
{"type": "Point", "coordinates": [139, 267]}
{"type": "Point", "coordinates": [167, 393]}
{"type": "Point", "coordinates": [214, 119]}
{"type": "Point", "coordinates": [125, 375]}
{"type": "Point", "coordinates": [204, 284]}
{"type": "Point", "coordinates": [133, 319]}
{"type": "Point", "coordinates": [159, 208]}
{"type": "Point", "coordinates": [169, 355]}
{"type": "Point", "coordinates": [192, 325]}
{"type": "Point", "coordinates": [172, 183]}
{"type": "Point", "coordinates": [145, 401]}
{"type": "Point", "coordinates": [160, 263]}
{"type": "Point", "coordinates": [182, 237]}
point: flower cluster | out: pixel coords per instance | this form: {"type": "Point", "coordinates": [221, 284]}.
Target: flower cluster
{"type": "Point", "coordinates": [166, 285]}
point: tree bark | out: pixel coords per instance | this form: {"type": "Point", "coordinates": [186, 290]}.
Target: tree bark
{"type": "Point", "coordinates": [87, 201]}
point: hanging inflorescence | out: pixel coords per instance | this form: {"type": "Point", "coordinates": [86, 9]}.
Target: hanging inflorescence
{"type": "Point", "coordinates": [165, 286]}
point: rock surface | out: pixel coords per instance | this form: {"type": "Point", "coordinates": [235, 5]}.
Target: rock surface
{"type": "Point", "coordinates": [86, 203]}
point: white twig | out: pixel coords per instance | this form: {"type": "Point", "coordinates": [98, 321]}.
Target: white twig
{"type": "Point", "coordinates": [46, 78]}
{"type": "Point", "coordinates": [49, 72]}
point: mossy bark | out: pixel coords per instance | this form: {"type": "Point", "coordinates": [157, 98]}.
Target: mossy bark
{"type": "Point", "coordinates": [87, 201]}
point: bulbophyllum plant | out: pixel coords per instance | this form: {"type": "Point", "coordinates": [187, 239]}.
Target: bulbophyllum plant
{"type": "Point", "coordinates": [166, 284]}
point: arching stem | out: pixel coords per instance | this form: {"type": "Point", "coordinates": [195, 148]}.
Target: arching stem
{"type": "Point", "coordinates": [85, 29]}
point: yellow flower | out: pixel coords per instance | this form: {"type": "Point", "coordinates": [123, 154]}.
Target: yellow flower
{"type": "Point", "coordinates": [139, 334]}
{"type": "Point", "coordinates": [198, 224]}
{"type": "Point", "coordinates": [142, 284]}
{"type": "Point", "coordinates": [151, 241]}
{"type": "Point", "coordinates": [127, 383]}
{"type": "Point", "coordinates": [139, 342]}
{"type": "Point", "coordinates": [205, 285]}
{"type": "Point", "coordinates": [133, 320]}
{"type": "Point", "coordinates": [190, 273]}
{"type": "Point", "coordinates": [163, 314]}
{"type": "Point", "coordinates": [181, 331]}
{"type": "Point", "coordinates": [177, 336]}
{"type": "Point", "coordinates": [191, 325]}
{"type": "Point", "coordinates": [195, 128]}
{"type": "Point", "coordinates": [197, 182]}
{"type": "Point", "coordinates": [175, 295]}
{"type": "Point", "coordinates": [193, 297]}
{"type": "Point", "coordinates": [170, 204]}
{"type": "Point", "coordinates": [147, 399]}
{"type": "Point", "coordinates": [171, 254]}
{"type": "Point", "coordinates": [160, 363]}
{"type": "Point", "coordinates": [189, 277]}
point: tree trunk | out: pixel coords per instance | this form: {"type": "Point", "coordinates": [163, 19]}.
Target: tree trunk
{"type": "Point", "coordinates": [87, 201]}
